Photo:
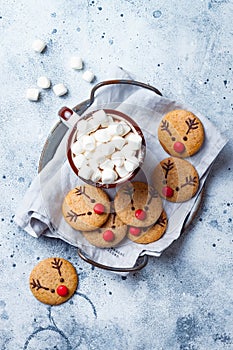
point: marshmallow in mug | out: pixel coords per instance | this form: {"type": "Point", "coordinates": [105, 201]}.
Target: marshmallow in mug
{"type": "Point", "coordinates": [105, 149]}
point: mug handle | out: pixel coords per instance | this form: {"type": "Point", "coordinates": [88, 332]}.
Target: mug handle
{"type": "Point", "coordinates": [68, 116]}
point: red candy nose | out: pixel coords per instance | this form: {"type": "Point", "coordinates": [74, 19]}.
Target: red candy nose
{"type": "Point", "coordinates": [108, 236]}
{"type": "Point", "coordinates": [179, 147]}
{"type": "Point", "coordinates": [99, 208]}
{"type": "Point", "coordinates": [62, 290]}
{"type": "Point", "coordinates": [140, 214]}
{"type": "Point", "coordinates": [135, 231]}
{"type": "Point", "coordinates": [167, 191]}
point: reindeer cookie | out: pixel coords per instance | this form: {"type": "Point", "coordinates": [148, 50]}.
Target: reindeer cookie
{"type": "Point", "coordinates": [109, 235]}
{"type": "Point", "coordinates": [138, 204]}
{"type": "Point", "coordinates": [86, 207]}
{"type": "Point", "coordinates": [53, 281]}
{"type": "Point", "coordinates": [176, 179]}
{"type": "Point", "coordinates": [181, 133]}
{"type": "Point", "coordinates": [145, 235]}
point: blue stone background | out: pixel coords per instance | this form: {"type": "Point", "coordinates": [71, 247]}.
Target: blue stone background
{"type": "Point", "coordinates": [181, 301]}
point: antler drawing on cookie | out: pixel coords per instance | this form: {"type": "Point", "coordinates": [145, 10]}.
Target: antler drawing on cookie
{"type": "Point", "coordinates": [167, 167]}
{"type": "Point", "coordinates": [192, 181]}
{"type": "Point", "coordinates": [161, 221]}
{"type": "Point", "coordinates": [57, 264]}
{"type": "Point", "coordinates": [129, 191]}
{"type": "Point", "coordinates": [73, 216]}
{"type": "Point", "coordinates": [81, 190]}
{"type": "Point", "coordinates": [165, 127]}
{"type": "Point", "coordinates": [36, 284]}
{"type": "Point", "coordinates": [153, 194]}
{"type": "Point", "coordinates": [192, 124]}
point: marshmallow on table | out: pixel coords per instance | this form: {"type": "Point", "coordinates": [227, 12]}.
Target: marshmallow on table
{"type": "Point", "coordinates": [88, 76]}
{"type": "Point", "coordinates": [59, 89]}
{"type": "Point", "coordinates": [32, 94]}
{"type": "Point", "coordinates": [76, 62]}
{"type": "Point", "coordinates": [43, 82]}
{"type": "Point", "coordinates": [38, 45]}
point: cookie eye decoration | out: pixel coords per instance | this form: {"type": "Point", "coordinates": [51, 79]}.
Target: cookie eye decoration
{"type": "Point", "coordinates": [140, 214]}
{"type": "Point", "coordinates": [62, 290]}
{"type": "Point", "coordinates": [99, 208]}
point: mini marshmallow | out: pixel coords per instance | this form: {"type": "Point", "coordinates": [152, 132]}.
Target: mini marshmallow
{"type": "Point", "coordinates": [118, 142]}
{"type": "Point", "coordinates": [38, 45]}
{"type": "Point", "coordinates": [76, 62]}
{"type": "Point", "coordinates": [88, 142]}
{"type": "Point", "coordinates": [43, 82]}
{"type": "Point", "coordinates": [115, 129]}
{"type": "Point", "coordinates": [88, 155]}
{"type": "Point", "coordinates": [81, 126]}
{"type": "Point", "coordinates": [126, 128]}
{"type": "Point", "coordinates": [107, 164]}
{"type": "Point", "coordinates": [88, 76]}
{"type": "Point", "coordinates": [134, 141]}
{"type": "Point", "coordinates": [102, 135]}
{"type": "Point", "coordinates": [108, 176]}
{"type": "Point", "coordinates": [92, 125]}
{"type": "Point", "coordinates": [77, 147]}
{"type": "Point", "coordinates": [108, 148]}
{"type": "Point", "coordinates": [117, 158]}
{"type": "Point", "coordinates": [100, 117]}
{"type": "Point", "coordinates": [79, 160]}
{"type": "Point", "coordinates": [96, 176]}
{"type": "Point", "coordinates": [32, 94]}
{"type": "Point", "coordinates": [93, 163]}
{"type": "Point", "coordinates": [59, 89]}
{"type": "Point", "coordinates": [86, 172]}
{"type": "Point", "coordinates": [131, 164]}
{"type": "Point", "coordinates": [128, 151]}
{"type": "Point", "coordinates": [121, 171]}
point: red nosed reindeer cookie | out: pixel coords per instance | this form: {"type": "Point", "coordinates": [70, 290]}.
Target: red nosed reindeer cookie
{"type": "Point", "coordinates": [86, 207]}
{"type": "Point", "coordinates": [138, 204]}
{"type": "Point", "coordinates": [181, 133]}
{"type": "Point", "coordinates": [53, 281]}
{"type": "Point", "coordinates": [109, 235]}
{"type": "Point", "coordinates": [176, 179]}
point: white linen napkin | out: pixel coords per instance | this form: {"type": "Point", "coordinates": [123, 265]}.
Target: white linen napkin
{"type": "Point", "coordinates": [40, 214]}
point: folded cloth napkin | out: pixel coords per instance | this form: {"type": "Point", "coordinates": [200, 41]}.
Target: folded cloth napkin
{"type": "Point", "coordinates": [40, 214]}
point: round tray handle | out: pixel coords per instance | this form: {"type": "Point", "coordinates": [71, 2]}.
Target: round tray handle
{"type": "Point", "coordinates": [122, 81]}
{"type": "Point", "coordinates": [141, 262]}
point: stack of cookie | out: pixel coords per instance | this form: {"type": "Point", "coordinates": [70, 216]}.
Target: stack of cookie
{"type": "Point", "coordinates": [181, 134]}
{"type": "Point", "coordinates": [135, 212]}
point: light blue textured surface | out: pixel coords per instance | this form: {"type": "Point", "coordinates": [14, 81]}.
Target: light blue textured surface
{"type": "Point", "coordinates": [181, 301]}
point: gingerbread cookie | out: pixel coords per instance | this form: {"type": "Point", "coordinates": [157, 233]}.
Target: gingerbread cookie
{"type": "Point", "coordinates": [176, 179]}
{"type": "Point", "coordinates": [181, 133]}
{"type": "Point", "coordinates": [53, 281]}
{"type": "Point", "coordinates": [150, 234]}
{"type": "Point", "coordinates": [109, 235]}
{"type": "Point", "coordinates": [86, 207]}
{"type": "Point", "coordinates": [138, 204]}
